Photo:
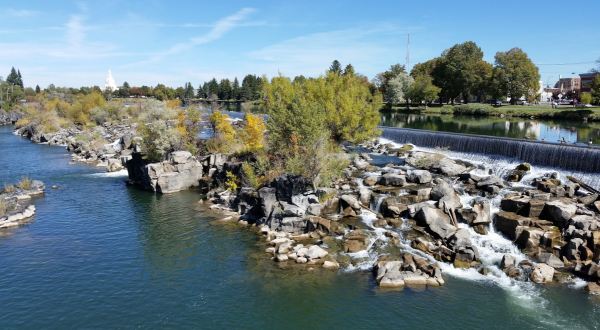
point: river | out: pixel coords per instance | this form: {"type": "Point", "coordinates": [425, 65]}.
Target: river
{"type": "Point", "coordinates": [101, 255]}
{"type": "Point", "coordinates": [551, 130]}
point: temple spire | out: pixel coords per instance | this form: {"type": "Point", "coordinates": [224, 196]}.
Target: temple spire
{"type": "Point", "coordinates": [110, 82]}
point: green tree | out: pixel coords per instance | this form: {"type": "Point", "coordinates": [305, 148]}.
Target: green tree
{"type": "Point", "coordinates": [351, 112]}
{"type": "Point", "coordinates": [335, 67]}
{"type": "Point", "coordinates": [382, 79]}
{"type": "Point", "coordinates": [397, 88]}
{"type": "Point", "coordinates": [425, 68]}
{"type": "Point", "coordinates": [225, 89]}
{"type": "Point", "coordinates": [423, 89]}
{"type": "Point", "coordinates": [235, 89]}
{"type": "Point", "coordinates": [516, 72]}
{"type": "Point", "coordinates": [124, 90]}
{"type": "Point", "coordinates": [37, 89]}
{"type": "Point", "coordinates": [13, 77]}
{"type": "Point", "coordinates": [349, 70]}
{"type": "Point", "coordinates": [586, 98]}
{"type": "Point", "coordinates": [596, 89]}
{"type": "Point", "coordinates": [20, 79]}
{"type": "Point", "coordinates": [456, 71]}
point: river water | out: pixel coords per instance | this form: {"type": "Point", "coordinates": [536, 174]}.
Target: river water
{"type": "Point", "coordinates": [101, 255]}
{"type": "Point", "coordinates": [551, 130]}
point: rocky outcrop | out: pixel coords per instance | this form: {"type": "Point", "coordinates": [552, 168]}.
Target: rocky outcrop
{"type": "Point", "coordinates": [410, 271]}
{"type": "Point", "coordinates": [7, 118]}
{"type": "Point", "coordinates": [15, 203]}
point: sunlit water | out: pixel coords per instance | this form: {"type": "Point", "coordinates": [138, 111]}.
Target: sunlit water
{"type": "Point", "coordinates": [102, 255]}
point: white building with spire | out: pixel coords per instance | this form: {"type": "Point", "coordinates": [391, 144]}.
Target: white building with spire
{"type": "Point", "coordinates": [110, 82]}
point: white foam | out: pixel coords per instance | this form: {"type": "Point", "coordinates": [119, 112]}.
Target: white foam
{"type": "Point", "coordinates": [120, 173]}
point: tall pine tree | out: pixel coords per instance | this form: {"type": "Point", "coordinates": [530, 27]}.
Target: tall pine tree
{"type": "Point", "coordinates": [13, 77]}
{"type": "Point", "coordinates": [20, 79]}
{"type": "Point", "coordinates": [235, 89]}
{"type": "Point", "coordinates": [37, 88]}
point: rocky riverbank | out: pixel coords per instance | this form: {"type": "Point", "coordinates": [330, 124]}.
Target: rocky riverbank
{"type": "Point", "coordinates": [15, 202]}
{"type": "Point", "coordinates": [9, 118]}
{"type": "Point", "coordinates": [418, 211]}
{"type": "Point", "coordinates": [91, 146]}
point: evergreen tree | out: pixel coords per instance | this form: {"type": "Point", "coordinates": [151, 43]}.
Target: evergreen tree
{"type": "Point", "coordinates": [224, 89]}
{"type": "Point", "coordinates": [37, 88]}
{"type": "Point", "coordinates": [20, 79]}
{"type": "Point", "coordinates": [13, 77]}
{"type": "Point", "coordinates": [213, 88]}
{"type": "Point", "coordinates": [235, 89]}
{"type": "Point", "coordinates": [202, 90]}
{"type": "Point", "coordinates": [189, 91]}
{"type": "Point", "coordinates": [349, 70]}
{"type": "Point", "coordinates": [335, 67]}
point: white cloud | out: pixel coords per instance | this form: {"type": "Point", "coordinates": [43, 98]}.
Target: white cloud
{"type": "Point", "coordinates": [218, 30]}
{"type": "Point", "coordinates": [22, 13]}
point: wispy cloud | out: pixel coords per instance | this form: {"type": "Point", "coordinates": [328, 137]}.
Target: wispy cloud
{"type": "Point", "coordinates": [218, 30]}
{"type": "Point", "coordinates": [312, 54]}
{"type": "Point", "coordinates": [22, 13]}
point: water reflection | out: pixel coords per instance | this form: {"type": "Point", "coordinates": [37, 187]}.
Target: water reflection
{"type": "Point", "coordinates": [550, 130]}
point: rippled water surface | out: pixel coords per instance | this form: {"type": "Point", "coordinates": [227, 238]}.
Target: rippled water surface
{"type": "Point", "coordinates": [100, 255]}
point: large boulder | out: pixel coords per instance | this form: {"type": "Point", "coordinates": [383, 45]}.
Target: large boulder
{"type": "Point", "coordinates": [350, 201]}
{"type": "Point", "coordinates": [551, 260]}
{"type": "Point", "coordinates": [442, 189]}
{"type": "Point", "coordinates": [542, 273]}
{"type": "Point", "coordinates": [491, 180]}
{"type": "Point", "coordinates": [436, 222]}
{"type": "Point", "coordinates": [268, 200]}
{"type": "Point", "coordinates": [508, 262]}
{"type": "Point", "coordinates": [392, 179]}
{"type": "Point", "coordinates": [559, 212]}
{"type": "Point", "coordinates": [289, 185]}
{"type": "Point", "coordinates": [356, 241]}
{"type": "Point", "coordinates": [315, 252]}
{"type": "Point", "coordinates": [418, 176]}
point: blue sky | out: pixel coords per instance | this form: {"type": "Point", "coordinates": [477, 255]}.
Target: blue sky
{"type": "Point", "coordinates": [73, 43]}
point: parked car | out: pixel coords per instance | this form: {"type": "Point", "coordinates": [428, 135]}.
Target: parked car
{"type": "Point", "coordinates": [522, 102]}
{"type": "Point", "coordinates": [493, 102]}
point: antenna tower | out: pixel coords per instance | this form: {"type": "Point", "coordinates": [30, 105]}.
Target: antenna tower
{"type": "Point", "coordinates": [408, 53]}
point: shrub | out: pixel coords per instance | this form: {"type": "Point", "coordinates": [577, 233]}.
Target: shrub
{"type": "Point", "coordinates": [9, 189]}
{"type": "Point", "coordinates": [99, 115]}
{"type": "Point", "coordinates": [25, 183]}
{"type": "Point", "coordinates": [231, 182]}
{"type": "Point", "coordinates": [159, 140]}
{"type": "Point", "coordinates": [447, 109]}
{"type": "Point", "coordinates": [475, 109]}
{"type": "Point", "coordinates": [250, 178]}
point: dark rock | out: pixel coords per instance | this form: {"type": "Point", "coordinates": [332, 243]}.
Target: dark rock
{"type": "Point", "coordinates": [390, 179]}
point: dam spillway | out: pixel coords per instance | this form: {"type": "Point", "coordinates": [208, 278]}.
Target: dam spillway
{"type": "Point", "coordinates": [564, 156]}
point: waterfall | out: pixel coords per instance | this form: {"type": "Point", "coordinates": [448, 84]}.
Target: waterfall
{"type": "Point", "coordinates": [568, 157]}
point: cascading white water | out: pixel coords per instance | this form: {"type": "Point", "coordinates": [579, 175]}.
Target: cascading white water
{"type": "Point", "coordinates": [491, 247]}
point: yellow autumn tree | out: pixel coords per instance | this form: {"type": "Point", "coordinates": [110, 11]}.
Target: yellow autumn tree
{"type": "Point", "coordinates": [173, 104]}
{"type": "Point", "coordinates": [255, 128]}
{"type": "Point", "coordinates": [220, 125]}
